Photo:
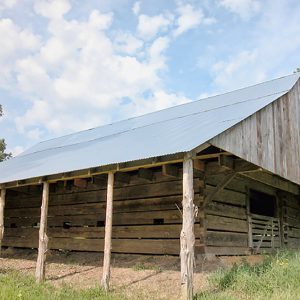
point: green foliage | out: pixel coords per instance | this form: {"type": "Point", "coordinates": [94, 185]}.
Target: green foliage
{"type": "Point", "coordinates": [297, 70]}
{"type": "Point", "coordinates": [277, 277]}
{"type": "Point", "coordinates": [14, 286]}
{"type": "Point", "coordinates": [3, 154]}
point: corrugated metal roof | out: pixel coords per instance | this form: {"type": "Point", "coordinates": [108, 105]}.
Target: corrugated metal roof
{"type": "Point", "coordinates": [173, 130]}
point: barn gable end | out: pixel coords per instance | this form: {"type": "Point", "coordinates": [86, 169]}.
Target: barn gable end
{"type": "Point", "coordinates": [270, 138]}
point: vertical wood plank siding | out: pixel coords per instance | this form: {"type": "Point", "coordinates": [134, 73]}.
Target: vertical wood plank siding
{"type": "Point", "coordinates": [270, 138]}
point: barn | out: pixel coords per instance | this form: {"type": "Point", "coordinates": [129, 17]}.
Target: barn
{"type": "Point", "coordinates": [218, 176]}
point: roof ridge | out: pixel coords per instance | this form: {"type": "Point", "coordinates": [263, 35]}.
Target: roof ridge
{"type": "Point", "coordinates": [150, 124]}
{"type": "Point", "coordinates": [164, 109]}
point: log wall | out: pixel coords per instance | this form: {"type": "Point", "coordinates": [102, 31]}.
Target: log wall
{"type": "Point", "coordinates": [225, 218]}
{"type": "Point", "coordinates": [228, 224]}
{"type": "Point", "coordinates": [146, 218]}
{"type": "Point", "coordinates": [290, 220]}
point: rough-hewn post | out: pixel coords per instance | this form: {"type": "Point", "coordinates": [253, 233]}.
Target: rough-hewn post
{"type": "Point", "coordinates": [2, 204]}
{"type": "Point", "coordinates": [187, 237]}
{"type": "Point", "coordinates": [108, 232]}
{"type": "Point", "coordinates": [43, 239]}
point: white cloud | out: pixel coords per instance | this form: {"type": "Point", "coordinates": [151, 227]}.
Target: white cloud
{"type": "Point", "coordinates": [78, 77]}
{"type": "Point", "coordinates": [235, 72]}
{"type": "Point", "coordinates": [127, 43]}
{"type": "Point", "coordinates": [244, 8]}
{"type": "Point", "coordinates": [15, 43]}
{"type": "Point", "coordinates": [157, 100]}
{"type": "Point", "coordinates": [189, 18]}
{"type": "Point", "coordinates": [149, 27]}
{"type": "Point", "coordinates": [7, 4]}
{"type": "Point", "coordinates": [52, 9]}
{"type": "Point", "coordinates": [275, 51]}
{"type": "Point", "coordinates": [136, 7]}
{"type": "Point", "coordinates": [16, 150]}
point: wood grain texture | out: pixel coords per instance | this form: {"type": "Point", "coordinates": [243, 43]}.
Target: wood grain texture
{"type": "Point", "coordinates": [270, 138]}
{"type": "Point", "coordinates": [187, 236]}
{"type": "Point", "coordinates": [108, 232]}
{"type": "Point", "coordinates": [43, 238]}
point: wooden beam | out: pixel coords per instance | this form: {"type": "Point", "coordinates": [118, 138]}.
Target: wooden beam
{"type": "Point", "coordinates": [108, 232]}
{"type": "Point", "coordinates": [226, 163]}
{"type": "Point", "coordinates": [274, 181]}
{"type": "Point", "coordinates": [199, 165]}
{"type": "Point", "coordinates": [2, 204]}
{"type": "Point", "coordinates": [187, 236]}
{"type": "Point", "coordinates": [170, 171]}
{"type": "Point", "coordinates": [122, 177]}
{"type": "Point", "coordinates": [85, 173]}
{"type": "Point", "coordinates": [229, 177]}
{"type": "Point", "coordinates": [147, 174]}
{"type": "Point", "coordinates": [80, 182]}
{"type": "Point", "coordinates": [43, 238]}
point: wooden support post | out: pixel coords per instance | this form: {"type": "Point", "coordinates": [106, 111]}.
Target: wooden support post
{"type": "Point", "coordinates": [108, 232]}
{"type": "Point", "coordinates": [2, 204]}
{"type": "Point", "coordinates": [187, 236]}
{"type": "Point", "coordinates": [43, 238]}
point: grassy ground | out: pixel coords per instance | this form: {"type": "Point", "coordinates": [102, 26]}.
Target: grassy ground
{"type": "Point", "coordinates": [278, 277]}
{"type": "Point", "coordinates": [17, 286]}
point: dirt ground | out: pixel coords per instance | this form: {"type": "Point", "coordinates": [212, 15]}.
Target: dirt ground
{"type": "Point", "coordinates": [143, 277]}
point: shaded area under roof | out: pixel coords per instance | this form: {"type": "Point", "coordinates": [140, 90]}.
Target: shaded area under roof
{"type": "Point", "coordinates": [177, 129]}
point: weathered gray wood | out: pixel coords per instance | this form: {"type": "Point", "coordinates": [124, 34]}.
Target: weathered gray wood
{"type": "Point", "coordinates": [249, 220]}
{"type": "Point", "coordinates": [269, 138]}
{"type": "Point", "coordinates": [274, 181]}
{"type": "Point", "coordinates": [2, 204]}
{"type": "Point", "coordinates": [43, 238]}
{"type": "Point", "coordinates": [229, 177]}
{"type": "Point", "coordinates": [187, 236]}
{"type": "Point", "coordinates": [108, 232]}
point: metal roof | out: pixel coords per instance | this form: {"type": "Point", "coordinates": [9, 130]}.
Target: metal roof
{"type": "Point", "coordinates": [173, 130]}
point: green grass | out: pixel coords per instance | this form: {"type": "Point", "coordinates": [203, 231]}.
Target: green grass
{"type": "Point", "coordinates": [277, 277]}
{"type": "Point", "coordinates": [16, 286]}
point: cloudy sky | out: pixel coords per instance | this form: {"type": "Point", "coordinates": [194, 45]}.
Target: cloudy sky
{"type": "Point", "coordinates": [69, 65]}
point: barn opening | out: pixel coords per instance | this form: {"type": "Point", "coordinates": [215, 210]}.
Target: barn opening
{"type": "Point", "coordinates": [262, 204]}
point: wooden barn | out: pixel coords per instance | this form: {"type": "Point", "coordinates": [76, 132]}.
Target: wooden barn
{"type": "Point", "coordinates": [218, 176]}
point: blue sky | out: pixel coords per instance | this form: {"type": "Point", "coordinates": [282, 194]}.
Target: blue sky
{"type": "Point", "coordinates": [69, 65]}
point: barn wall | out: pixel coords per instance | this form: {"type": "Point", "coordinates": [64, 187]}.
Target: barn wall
{"type": "Point", "coordinates": [139, 209]}
{"type": "Point", "coordinates": [291, 220]}
{"type": "Point", "coordinates": [146, 219]}
{"type": "Point", "coordinates": [270, 138]}
{"type": "Point", "coordinates": [227, 223]}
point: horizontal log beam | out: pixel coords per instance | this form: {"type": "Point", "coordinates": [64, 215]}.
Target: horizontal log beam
{"type": "Point", "coordinates": [86, 173]}
{"type": "Point", "coordinates": [274, 181]}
